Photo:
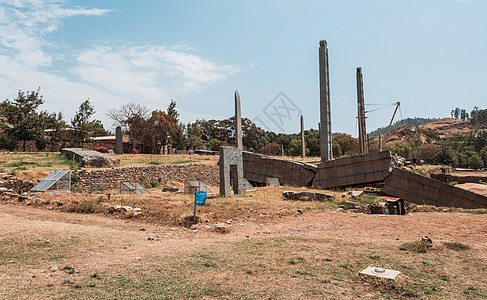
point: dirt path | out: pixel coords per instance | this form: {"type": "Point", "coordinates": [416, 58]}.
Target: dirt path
{"type": "Point", "coordinates": [96, 244]}
{"type": "Point", "coordinates": [440, 226]}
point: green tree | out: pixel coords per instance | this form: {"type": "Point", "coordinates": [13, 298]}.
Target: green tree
{"type": "Point", "coordinates": [348, 144]}
{"type": "Point", "coordinates": [483, 155]}
{"type": "Point", "coordinates": [294, 148]}
{"type": "Point", "coordinates": [478, 117]}
{"type": "Point", "coordinates": [475, 162]}
{"type": "Point", "coordinates": [171, 110]}
{"type": "Point", "coordinates": [428, 152]}
{"type": "Point", "coordinates": [83, 127]}
{"type": "Point", "coordinates": [271, 149]}
{"type": "Point", "coordinates": [8, 141]}
{"type": "Point", "coordinates": [81, 121]}
{"type": "Point", "coordinates": [402, 149]}
{"type": "Point", "coordinates": [27, 123]}
{"type": "Point", "coordinates": [162, 129]}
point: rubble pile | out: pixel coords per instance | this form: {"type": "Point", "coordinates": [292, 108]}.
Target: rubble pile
{"type": "Point", "coordinates": [9, 195]}
{"type": "Point", "coordinates": [11, 182]}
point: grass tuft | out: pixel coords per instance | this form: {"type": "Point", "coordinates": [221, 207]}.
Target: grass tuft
{"type": "Point", "coordinates": [416, 246]}
{"type": "Point", "coordinates": [456, 246]}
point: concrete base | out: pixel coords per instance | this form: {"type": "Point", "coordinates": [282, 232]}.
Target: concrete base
{"type": "Point", "coordinates": [380, 273]}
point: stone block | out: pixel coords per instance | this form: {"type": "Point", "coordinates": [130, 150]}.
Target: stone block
{"type": "Point", "coordinates": [231, 165]}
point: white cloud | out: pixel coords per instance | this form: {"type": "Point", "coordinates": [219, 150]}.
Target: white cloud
{"type": "Point", "coordinates": [24, 22]}
{"type": "Point", "coordinates": [107, 75]}
{"type": "Point", "coordinates": [152, 72]}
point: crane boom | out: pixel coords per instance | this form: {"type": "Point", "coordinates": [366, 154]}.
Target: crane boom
{"type": "Point", "coordinates": [397, 106]}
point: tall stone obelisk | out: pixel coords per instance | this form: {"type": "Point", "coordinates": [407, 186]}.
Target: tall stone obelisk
{"type": "Point", "coordinates": [303, 145]}
{"type": "Point", "coordinates": [118, 140]}
{"type": "Point", "coordinates": [362, 132]}
{"type": "Point", "coordinates": [238, 122]}
{"type": "Point", "coordinates": [325, 109]}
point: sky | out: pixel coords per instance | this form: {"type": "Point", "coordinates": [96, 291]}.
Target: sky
{"type": "Point", "coordinates": [431, 56]}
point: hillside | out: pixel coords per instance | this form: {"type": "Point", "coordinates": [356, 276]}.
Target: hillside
{"type": "Point", "coordinates": [428, 132]}
{"type": "Point", "coordinates": [408, 122]}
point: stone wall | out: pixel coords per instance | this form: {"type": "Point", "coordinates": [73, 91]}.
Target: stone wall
{"type": "Point", "coordinates": [11, 182]}
{"type": "Point", "coordinates": [111, 178]}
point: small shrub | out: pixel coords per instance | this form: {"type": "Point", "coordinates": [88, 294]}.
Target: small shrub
{"type": "Point", "coordinates": [416, 246]}
{"type": "Point", "coordinates": [419, 171]}
{"type": "Point", "coordinates": [75, 177]}
{"type": "Point", "coordinates": [101, 149]}
{"type": "Point", "coordinates": [69, 269]}
{"type": "Point", "coordinates": [367, 199]}
{"type": "Point", "coordinates": [87, 206]}
{"type": "Point", "coordinates": [456, 246]}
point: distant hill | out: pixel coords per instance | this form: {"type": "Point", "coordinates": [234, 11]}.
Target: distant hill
{"type": "Point", "coordinates": [428, 132]}
{"type": "Point", "coordinates": [406, 122]}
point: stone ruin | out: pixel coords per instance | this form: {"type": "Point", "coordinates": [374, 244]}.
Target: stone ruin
{"type": "Point", "coordinates": [90, 158]}
{"type": "Point", "coordinates": [231, 171]}
{"type": "Point", "coordinates": [377, 167]}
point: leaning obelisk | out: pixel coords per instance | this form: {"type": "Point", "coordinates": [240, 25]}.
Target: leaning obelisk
{"type": "Point", "coordinates": [238, 122]}
{"type": "Point", "coordinates": [325, 109]}
{"type": "Point", "coordinates": [362, 132]}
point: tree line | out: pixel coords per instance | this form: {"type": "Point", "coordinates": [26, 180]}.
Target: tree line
{"type": "Point", "coordinates": [154, 132]}
{"type": "Point", "coordinates": [23, 122]}
{"type": "Point", "coordinates": [468, 151]}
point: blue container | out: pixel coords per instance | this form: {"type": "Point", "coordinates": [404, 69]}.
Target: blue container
{"type": "Point", "coordinates": [200, 197]}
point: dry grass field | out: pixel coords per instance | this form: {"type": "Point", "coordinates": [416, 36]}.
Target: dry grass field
{"type": "Point", "coordinates": [266, 251]}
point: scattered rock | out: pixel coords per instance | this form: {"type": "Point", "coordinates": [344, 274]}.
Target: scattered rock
{"type": "Point", "coordinates": [170, 189]}
{"type": "Point", "coordinates": [426, 239]}
{"type": "Point", "coordinates": [127, 208]}
{"type": "Point", "coordinates": [371, 209]}
{"type": "Point", "coordinates": [349, 205]}
{"type": "Point", "coordinates": [221, 228]}
{"type": "Point", "coordinates": [306, 196]}
{"type": "Point", "coordinates": [54, 268]}
{"type": "Point", "coordinates": [355, 194]}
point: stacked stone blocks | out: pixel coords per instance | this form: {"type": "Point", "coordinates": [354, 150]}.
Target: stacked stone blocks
{"type": "Point", "coordinates": [258, 167]}
{"type": "Point", "coordinates": [422, 190]}
{"type": "Point", "coordinates": [354, 170]}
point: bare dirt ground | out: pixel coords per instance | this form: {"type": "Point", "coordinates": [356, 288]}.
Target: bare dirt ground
{"type": "Point", "coordinates": [53, 254]}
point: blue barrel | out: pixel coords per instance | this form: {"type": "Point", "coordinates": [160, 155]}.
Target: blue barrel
{"type": "Point", "coordinates": [200, 197]}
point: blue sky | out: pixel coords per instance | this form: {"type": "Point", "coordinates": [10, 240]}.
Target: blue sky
{"type": "Point", "coordinates": [429, 55]}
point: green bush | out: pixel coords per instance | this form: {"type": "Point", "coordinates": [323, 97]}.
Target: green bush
{"type": "Point", "coordinates": [483, 155]}
{"type": "Point", "coordinates": [475, 162]}
{"type": "Point", "coordinates": [8, 141]}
